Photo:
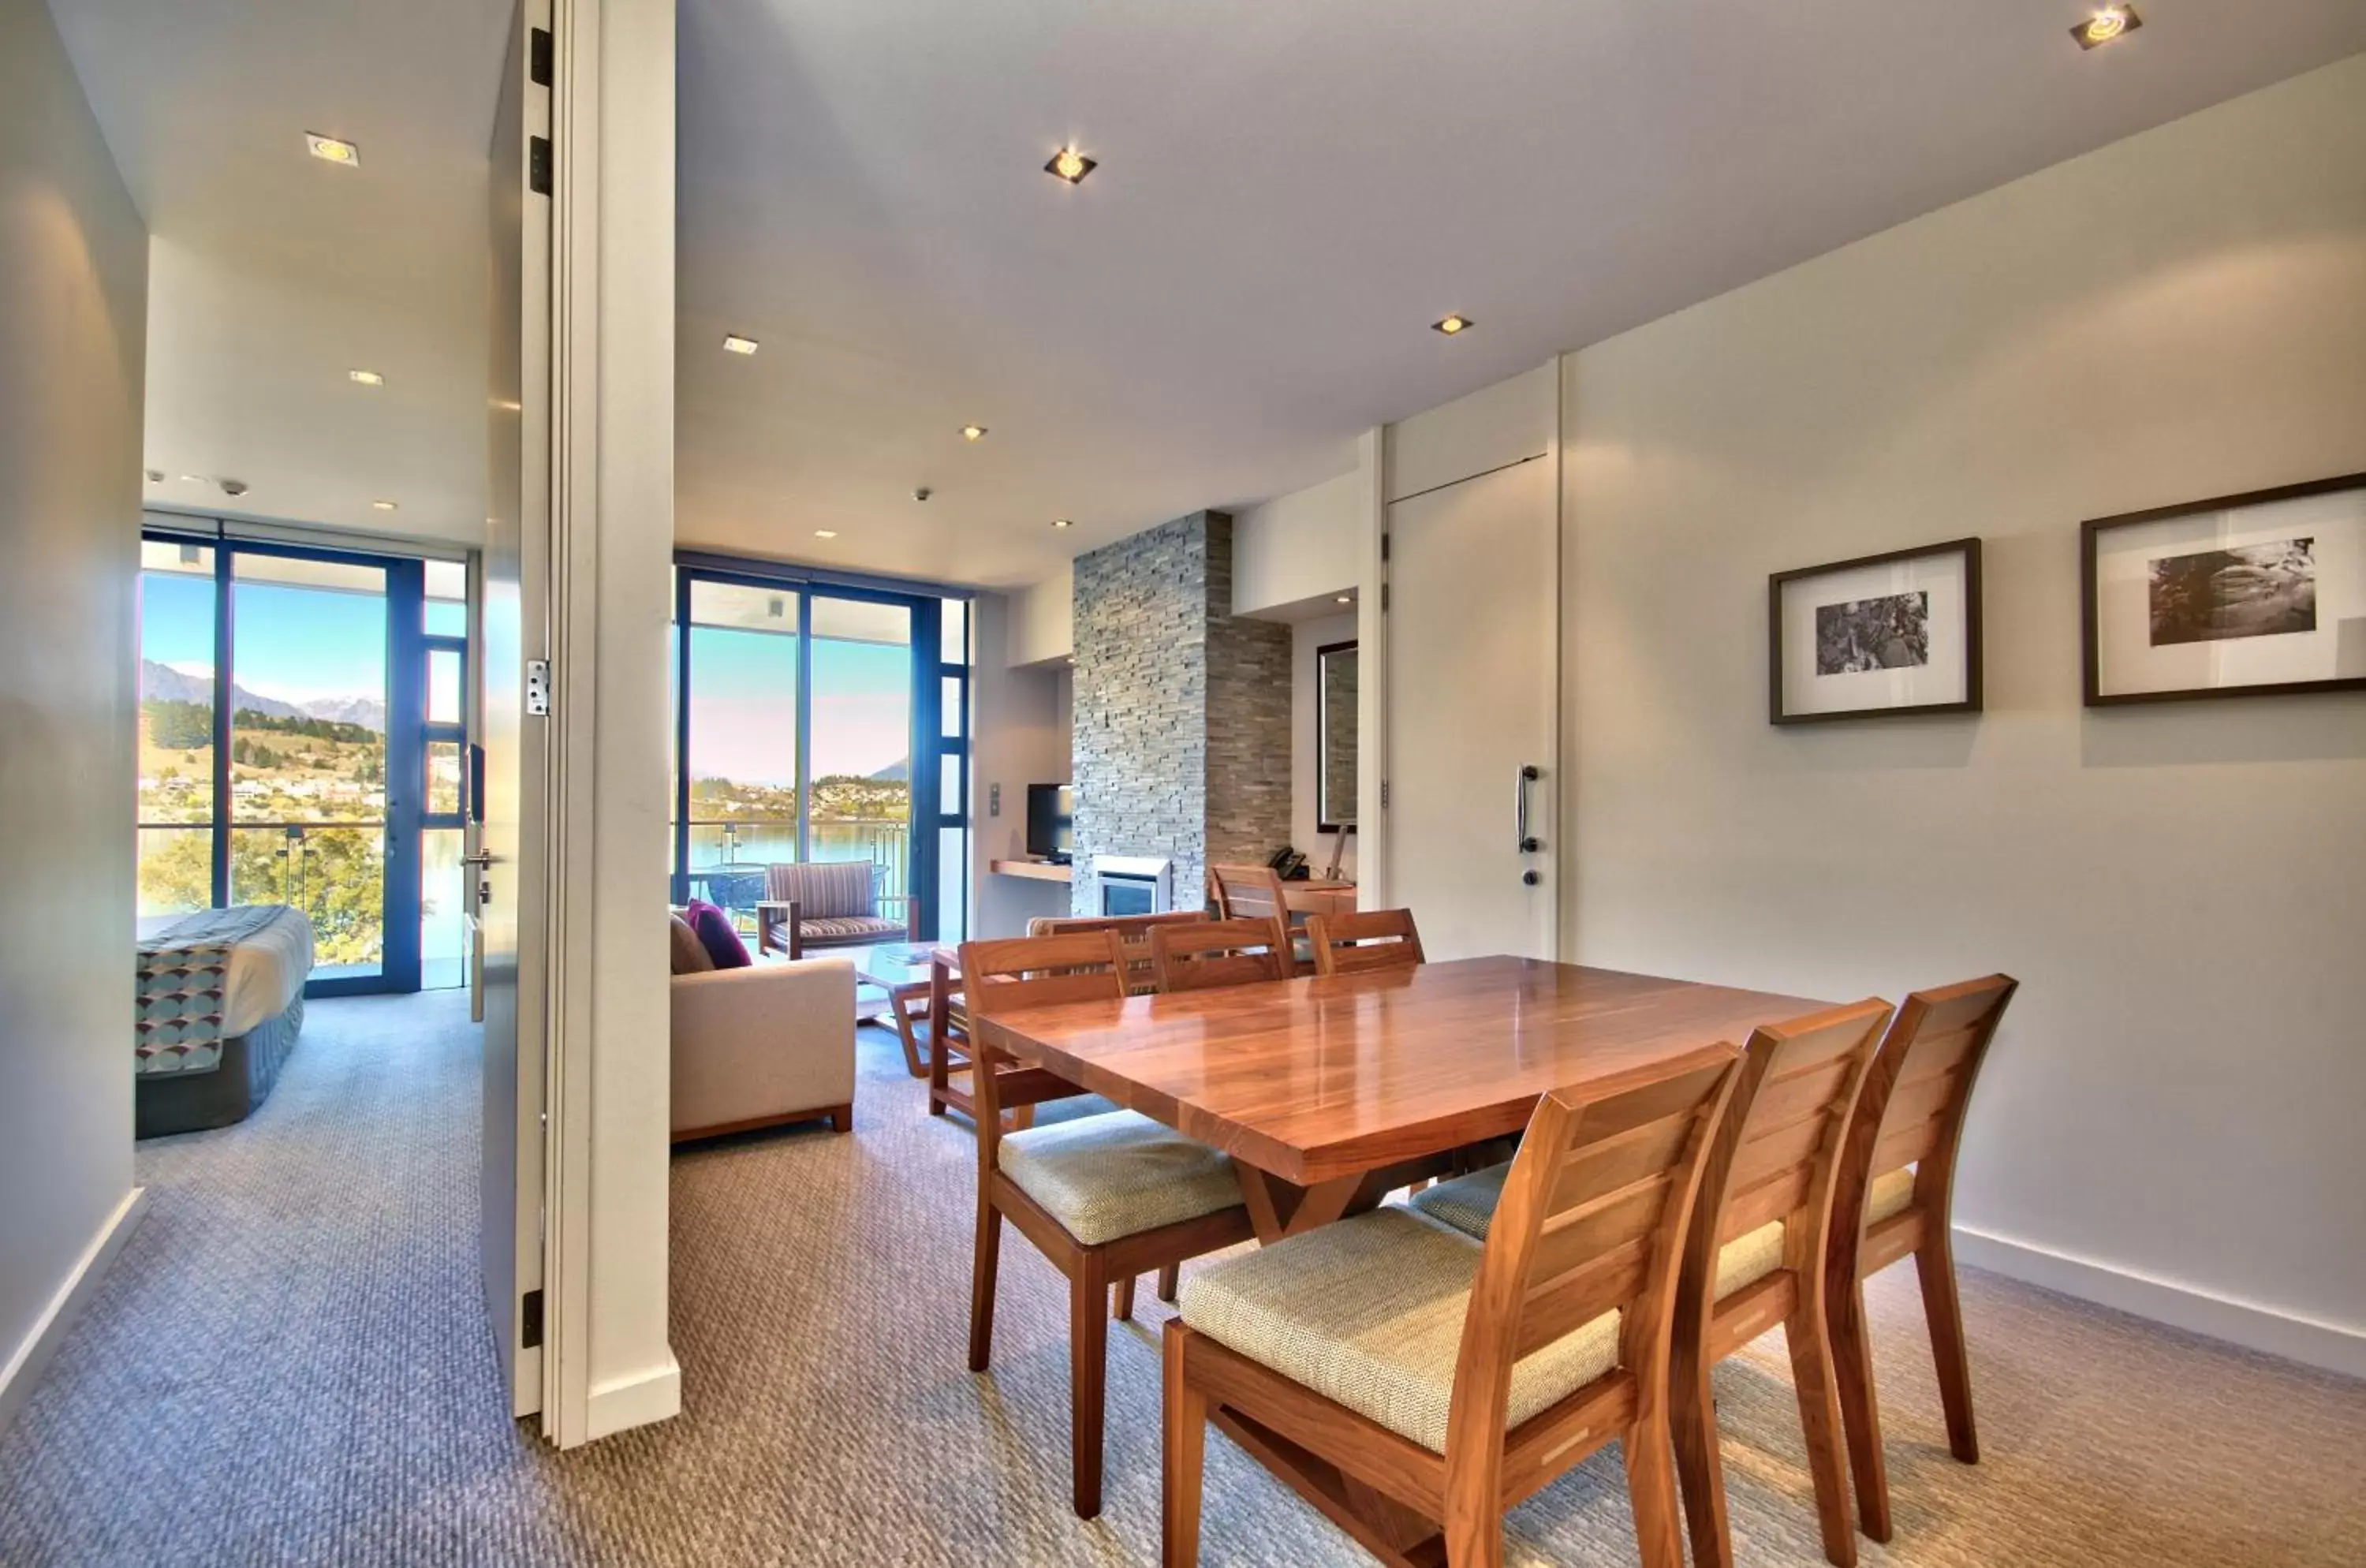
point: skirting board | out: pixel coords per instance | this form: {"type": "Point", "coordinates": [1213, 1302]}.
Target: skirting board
{"type": "Point", "coordinates": [2328, 1345]}
{"type": "Point", "coordinates": [23, 1369]}
{"type": "Point", "coordinates": [635, 1401]}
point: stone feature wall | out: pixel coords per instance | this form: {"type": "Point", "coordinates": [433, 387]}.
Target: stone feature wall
{"type": "Point", "coordinates": [1182, 709]}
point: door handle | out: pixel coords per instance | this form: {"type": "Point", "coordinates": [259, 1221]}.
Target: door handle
{"type": "Point", "coordinates": [1529, 773]}
{"type": "Point", "coordinates": [481, 858]}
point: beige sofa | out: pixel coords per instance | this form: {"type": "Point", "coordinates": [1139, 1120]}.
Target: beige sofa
{"type": "Point", "coordinates": [759, 1046]}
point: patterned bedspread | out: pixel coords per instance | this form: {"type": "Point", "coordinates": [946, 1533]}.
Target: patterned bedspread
{"type": "Point", "coordinates": [182, 988]}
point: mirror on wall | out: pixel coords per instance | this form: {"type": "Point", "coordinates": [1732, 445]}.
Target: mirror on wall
{"type": "Point", "coordinates": [1334, 735]}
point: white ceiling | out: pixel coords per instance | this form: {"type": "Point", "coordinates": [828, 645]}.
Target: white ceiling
{"type": "Point", "coordinates": [1287, 195]}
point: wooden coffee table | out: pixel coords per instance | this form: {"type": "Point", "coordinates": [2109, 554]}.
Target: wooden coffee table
{"type": "Point", "coordinates": [901, 969]}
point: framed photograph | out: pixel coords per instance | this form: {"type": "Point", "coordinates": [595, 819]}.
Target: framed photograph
{"type": "Point", "coordinates": [1878, 637]}
{"type": "Point", "coordinates": [2243, 596]}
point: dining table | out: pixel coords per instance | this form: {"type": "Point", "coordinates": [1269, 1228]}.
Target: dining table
{"type": "Point", "coordinates": [1329, 1092]}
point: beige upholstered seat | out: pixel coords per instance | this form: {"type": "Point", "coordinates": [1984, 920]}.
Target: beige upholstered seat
{"type": "Point", "coordinates": [1369, 1313]}
{"type": "Point", "coordinates": [1467, 1204]}
{"type": "Point", "coordinates": [1117, 1175]}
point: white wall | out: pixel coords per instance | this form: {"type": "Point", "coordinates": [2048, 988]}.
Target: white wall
{"type": "Point", "coordinates": [1018, 736]}
{"type": "Point", "coordinates": [2170, 1118]}
{"type": "Point", "coordinates": [1042, 620]}
{"type": "Point", "coordinates": [73, 264]}
{"type": "Point", "coordinates": [1300, 546]}
{"type": "Point", "coordinates": [1305, 707]}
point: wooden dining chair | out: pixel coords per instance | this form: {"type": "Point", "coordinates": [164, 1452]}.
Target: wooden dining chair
{"type": "Point", "coordinates": [1247, 893]}
{"type": "Point", "coordinates": [1757, 1259]}
{"type": "Point", "coordinates": [1895, 1198]}
{"type": "Point", "coordinates": [1218, 952]}
{"type": "Point", "coordinates": [1133, 931]}
{"type": "Point", "coordinates": [1365, 940]}
{"type": "Point", "coordinates": [1104, 1197]}
{"type": "Point", "coordinates": [1412, 1384]}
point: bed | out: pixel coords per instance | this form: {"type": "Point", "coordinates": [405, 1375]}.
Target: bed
{"type": "Point", "coordinates": [221, 1003]}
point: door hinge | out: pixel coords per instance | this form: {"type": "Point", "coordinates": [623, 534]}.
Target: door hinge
{"type": "Point", "coordinates": [530, 1321]}
{"type": "Point", "coordinates": [1384, 546]}
{"type": "Point", "coordinates": [1384, 793]}
{"type": "Point", "coordinates": [537, 688]}
{"type": "Point", "coordinates": [1384, 598]}
{"type": "Point", "coordinates": [537, 56]}
{"type": "Point", "coordinates": [537, 165]}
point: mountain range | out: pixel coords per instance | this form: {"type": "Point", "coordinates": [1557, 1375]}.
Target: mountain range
{"type": "Point", "coordinates": [161, 683]}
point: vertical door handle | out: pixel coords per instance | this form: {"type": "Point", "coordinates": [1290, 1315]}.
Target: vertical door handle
{"type": "Point", "coordinates": [1529, 773]}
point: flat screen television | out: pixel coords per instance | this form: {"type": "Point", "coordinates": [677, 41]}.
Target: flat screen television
{"type": "Point", "coordinates": [1051, 822]}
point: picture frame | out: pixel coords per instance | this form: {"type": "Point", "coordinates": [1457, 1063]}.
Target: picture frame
{"type": "Point", "coordinates": [1889, 636]}
{"type": "Point", "coordinates": [2251, 595]}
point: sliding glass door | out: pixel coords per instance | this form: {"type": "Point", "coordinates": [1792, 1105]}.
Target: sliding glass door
{"type": "Point", "coordinates": [294, 747]}
{"type": "Point", "coordinates": [809, 726]}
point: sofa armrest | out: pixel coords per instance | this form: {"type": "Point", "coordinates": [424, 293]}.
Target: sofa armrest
{"type": "Point", "coordinates": [765, 1041]}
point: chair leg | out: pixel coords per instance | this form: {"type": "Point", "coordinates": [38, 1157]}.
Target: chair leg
{"type": "Point", "coordinates": [1860, 1411]}
{"type": "Point", "coordinates": [1651, 1493]}
{"type": "Point", "coordinates": [1699, 1464]}
{"type": "Point", "coordinates": [981, 1284]}
{"type": "Point", "coordinates": [1820, 1422]}
{"type": "Point", "coordinates": [1935, 1262]}
{"type": "Point", "coordinates": [1121, 1297]}
{"type": "Point", "coordinates": [1184, 1457]}
{"type": "Point", "coordinates": [1088, 1371]}
{"type": "Point", "coordinates": [1170, 1282]}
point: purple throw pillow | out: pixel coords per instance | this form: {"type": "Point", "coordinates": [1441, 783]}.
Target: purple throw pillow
{"type": "Point", "coordinates": [715, 934]}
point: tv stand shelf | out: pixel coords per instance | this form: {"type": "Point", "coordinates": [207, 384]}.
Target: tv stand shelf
{"type": "Point", "coordinates": [1032, 870]}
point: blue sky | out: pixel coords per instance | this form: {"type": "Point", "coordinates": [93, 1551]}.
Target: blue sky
{"type": "Point", "coordinates": [302, 644]}
{"type": "Point", "coordinates": [293, 643]}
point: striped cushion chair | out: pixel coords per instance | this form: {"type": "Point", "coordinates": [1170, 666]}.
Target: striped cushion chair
{"type": "Point", "coordinates": [831, 903]}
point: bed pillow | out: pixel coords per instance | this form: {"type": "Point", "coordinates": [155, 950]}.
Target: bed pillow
{"type": "Point", "coordinates": [715, 934]}
{"type": "Point", "coordinates": [687, 954]}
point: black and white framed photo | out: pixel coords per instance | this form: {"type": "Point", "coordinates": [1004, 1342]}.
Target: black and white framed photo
{"type": "Point", "coordinates": [1876, 637]}
{"type": "Point", "coordinates": [2240, 596]}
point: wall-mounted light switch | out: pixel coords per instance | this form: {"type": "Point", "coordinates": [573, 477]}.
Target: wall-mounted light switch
{"type": "Point", "coordinates": [994, 800]}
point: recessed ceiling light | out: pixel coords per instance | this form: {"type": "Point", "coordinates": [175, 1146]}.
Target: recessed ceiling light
{"type": "Point", "coordinates": [367, 378]}
{"type": "Point", "coordinates": [973, 433]}
{"type": "Point", "coordinates": [154, 476]}
{"type": "Point", "coordinates": [734, 343]}
{"type": "Point", "coordinates": [383, 505]}
{"type": "Point", "coordinates": [329, 150]}
{"type": "Point", "coordinates": [1450, 326]}
{"type": "Point", "coordinates": [1071, 165]}
{"type": "Point", "coordinates": [2111, 22]}
{"type": "Point", "coordinates": [825, 532]}
{"type": "Point", "coordinates": [192, 478]}
{"type": "Point", "coordinates": [1346, 598]}
{"type": "Point", "coordinates": [1064, 523]}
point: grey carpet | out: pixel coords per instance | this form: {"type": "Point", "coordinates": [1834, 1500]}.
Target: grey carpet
{"type": "Point", "coordinates": [289, 1364]}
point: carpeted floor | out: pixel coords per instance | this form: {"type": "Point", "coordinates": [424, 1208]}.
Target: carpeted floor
{"type": "Point", "coordinates": [288, 1363]}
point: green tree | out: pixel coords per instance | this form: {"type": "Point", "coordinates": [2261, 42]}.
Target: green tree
{"type": "Point", "coordinates": [179, 726]}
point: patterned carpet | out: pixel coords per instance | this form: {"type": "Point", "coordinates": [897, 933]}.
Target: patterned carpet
{"type": "Point", "coordinates": [289, 1364]}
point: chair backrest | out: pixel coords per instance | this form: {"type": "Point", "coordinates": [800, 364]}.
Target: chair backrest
{"type": "Point", "coordinates": [1132, 930]}
{"type": "Point", "coordinates": [1366, 940]}
{"type": "Point", "coordinates": [1246, 892]}
{"type": "Point", "coordinates": [1205, 954]}
{"type": "Point", "coordinates": [1000, 978]}
{"type": "Point", "coordinates": [1915, 1098]}
{"type": "Point", "coordinates": [1778, 1154]}
{"type": "Point", "coordinates": [1592, 1220]}
{"type": "Point", "coordinates": [822, 889]}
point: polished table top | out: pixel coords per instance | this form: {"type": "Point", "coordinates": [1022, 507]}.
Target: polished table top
{"type": "Point", "coordinates": [1313, 1079]}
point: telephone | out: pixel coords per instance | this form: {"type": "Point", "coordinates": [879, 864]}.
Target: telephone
{"type": "Point", "coordinates": [1289, 864]}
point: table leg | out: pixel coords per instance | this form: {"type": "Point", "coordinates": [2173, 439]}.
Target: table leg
{"type": "Point", "coordinates": [899, 1006]}
{"type": "Point", "coordinates": [1278, 1208]}
{"type": "Point", "coordinates": [940, 1018]}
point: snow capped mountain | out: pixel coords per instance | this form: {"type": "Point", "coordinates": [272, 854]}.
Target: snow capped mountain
{"type": "Point", "coordinates": [161, 683]}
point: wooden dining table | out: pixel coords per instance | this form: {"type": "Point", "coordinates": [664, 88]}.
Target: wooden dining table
{"type": "Point", "coordinates": [1330, 1093]}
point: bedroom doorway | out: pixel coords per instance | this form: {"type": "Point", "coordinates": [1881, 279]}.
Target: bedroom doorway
{"type": "Point", "coordinates": [303, 740]}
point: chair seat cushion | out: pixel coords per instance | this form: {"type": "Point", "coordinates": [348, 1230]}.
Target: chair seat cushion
{"type": "Point", "coordinates": [1117, 1175]}
{"type": "Point", "coordinates": [838, 929]}
{"type": "Point", "coordinates": [1369, 1313]}
{"type": "Point", "coordinates": [1467, 1204]}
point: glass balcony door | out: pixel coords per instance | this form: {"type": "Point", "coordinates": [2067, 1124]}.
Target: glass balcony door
{"type": "Point", "coordinates": [289, 752]}
{"type": "Point", "coordinates": [805, 732]}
